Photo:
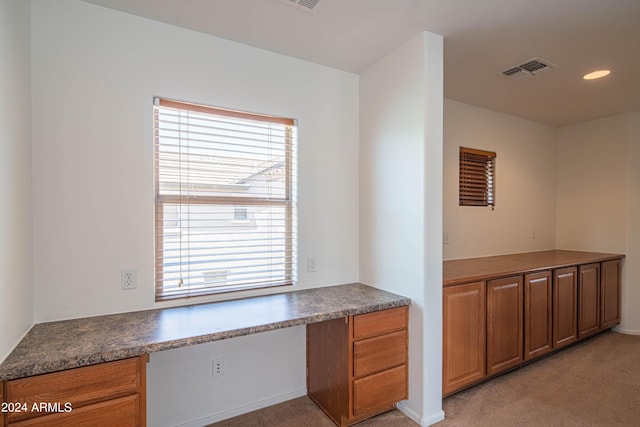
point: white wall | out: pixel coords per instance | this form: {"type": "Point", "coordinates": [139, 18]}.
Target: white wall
{"type": "Point", "coordinates": [598, 197]}
{"type": "Point", "coordinates": [16, 285]}
{"type": "Point", "coordinates": [525, 183]}
{"type": "Point", "coordinates": [592, 185]}
{"type": "Point", "coordinates": [95, 73]}
{"type": "Point", "coordinates": [401, 202]}
{"type": "Point", "coordinates": [188, 395]}
{"type": "Point", "coordinates": [631, 281]}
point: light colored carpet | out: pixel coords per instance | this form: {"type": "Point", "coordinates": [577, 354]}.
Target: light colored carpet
{"type": "Point", "coordinates": [593, 384]}
{"type": "Point", "coordinates": [302, 412]}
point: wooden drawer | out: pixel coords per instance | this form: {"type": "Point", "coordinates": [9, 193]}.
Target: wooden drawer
{"type": "Point", "coordinates": [379, 353]}
{"type": "Point", "coordinates": [79, 387]}
{"type": "Point", "coordinates": [379, 322]}
{"type": "Point", "coordinates": [379, 392]}
{"type": "Point", "coordinates": [121, 412]}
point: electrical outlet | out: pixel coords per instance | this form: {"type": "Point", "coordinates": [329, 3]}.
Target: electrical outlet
{"type": "Point", "coordinates": [129, 279]}
{"type": "Point", "coordinates": [218, 367]}
{"type": "Point", "coordinates": [312, 264]}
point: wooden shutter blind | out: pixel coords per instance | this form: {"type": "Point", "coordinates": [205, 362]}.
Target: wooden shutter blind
{"type": "Point", "coordinates": [477, 177]}
{"type": "Point", "coordinates": [225, 200]}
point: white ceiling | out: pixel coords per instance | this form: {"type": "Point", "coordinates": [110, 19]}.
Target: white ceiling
{"type": "Point", "coordinates": [481, 38]}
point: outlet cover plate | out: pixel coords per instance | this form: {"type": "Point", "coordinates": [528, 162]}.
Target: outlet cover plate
{"type": "Point", "coordinates": [129, 279]}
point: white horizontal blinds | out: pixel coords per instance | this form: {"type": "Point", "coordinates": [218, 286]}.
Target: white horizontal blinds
{"type": "Point", "coordinates": [477, 177]}
{"type": "Point", "coordinates": [225, 206]}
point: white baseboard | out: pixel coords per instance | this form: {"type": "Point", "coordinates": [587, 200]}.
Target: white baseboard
{"type": "Point", "coordinates": [422, 421]}
{"type": "Point", "coordinates": [426, 421]}
{"type": "Point", "coordinates": [243, 409]}
{"type": "Point", "coordinates": [626, 331]}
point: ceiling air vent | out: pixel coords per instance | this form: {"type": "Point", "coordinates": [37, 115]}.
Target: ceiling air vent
{"type": "Point", "coordinates": [310, 6]}
{"type": "Point", "coordinates": [531, 68]}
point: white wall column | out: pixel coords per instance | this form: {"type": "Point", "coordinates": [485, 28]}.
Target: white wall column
{"type": "Point", "coordinates": [401, 202]}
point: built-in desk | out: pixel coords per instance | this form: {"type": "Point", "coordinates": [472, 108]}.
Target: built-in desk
{"type": "Point", "coordinates": [66, 345]}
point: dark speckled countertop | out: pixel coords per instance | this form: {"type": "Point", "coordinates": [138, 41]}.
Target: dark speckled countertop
{"type": "Point", "coordinates": [55, 346]}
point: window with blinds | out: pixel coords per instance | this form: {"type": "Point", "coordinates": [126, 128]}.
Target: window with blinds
{"type": "Point", "coordinates": [477, 177]}
{"type": "Point", "coordinates": [225, 200]}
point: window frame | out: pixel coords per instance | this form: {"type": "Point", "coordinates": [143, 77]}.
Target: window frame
{"type": "Point", "coordinates": [288, 201]}
{"type": "Point", "coordinates": [477, 178]}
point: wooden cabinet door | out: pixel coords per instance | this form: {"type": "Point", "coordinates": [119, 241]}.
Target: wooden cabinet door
{"type": "Point", "coordinates": [464, 336]}
{"type": "Point", "coordinates": [610, 293]}
{"type": "Point", "coordinates": [538, 314]}
{"type": "Point", "coordinates": [504, 324]}
{"type": "Point", "coordinates": [588, 299]}
{"type": "Point", "coordinates": [565, 306]}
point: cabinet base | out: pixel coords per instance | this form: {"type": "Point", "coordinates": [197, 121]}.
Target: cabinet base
{"type": "Point", "coordinates": [527, 362]}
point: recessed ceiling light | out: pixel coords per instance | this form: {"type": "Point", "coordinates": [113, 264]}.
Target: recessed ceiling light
{"type": "Point", "coordinates": [596, 74]}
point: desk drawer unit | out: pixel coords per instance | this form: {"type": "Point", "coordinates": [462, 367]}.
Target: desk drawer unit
{"type": "Point", "coordinates": [121, 412]}
{"type": "Point", "coordinates": [107, 394]}
{"type": "Point", "coordinates": [357, 366]}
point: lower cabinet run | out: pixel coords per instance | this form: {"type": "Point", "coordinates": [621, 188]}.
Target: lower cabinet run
{"type": "Point", "coordinates": [495, 325]}
{"type": "Point", "coordinates": [357, 366]}
{"type": "Point", "coordinates": [111, 394]}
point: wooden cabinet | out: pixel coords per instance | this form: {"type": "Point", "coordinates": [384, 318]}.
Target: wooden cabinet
{"type": "Point", "coordinates": [121, 412]}
{"type": "Point", "coordinates": [610, 293]}
{"type": "Point", "coordinates": [565, 306]}
{"type": "Point", "coordinates": [357, 366]}
{"type": "Point", "coordinates": [494, 323]}
{"type": "Point", "coordinates": [108, 394]}
{"type": "Point", "coordinates": [538, 310]}
{"type": "Point", "coordinates": [464, 336]}
{"type": "Point", "coordinates": [588, 299]}
{"type": "Point", "coordinates": [504, 324]}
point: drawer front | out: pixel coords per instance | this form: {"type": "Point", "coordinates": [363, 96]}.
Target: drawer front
{"type": "Point", "coordinates": [380, 391]}
{"type": "Point", "coordinates": [379, 353]}
{"type": "Point", "coordinates": [121, 412]}
{"type": "Point", "coordinates": [379, 322]}
{"type": "Point", "coordinates": [79, 387]}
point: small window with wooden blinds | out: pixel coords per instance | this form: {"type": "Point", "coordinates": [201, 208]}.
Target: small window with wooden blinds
{"type": "Point", "coordinates": [225, 184]}
{"type": "Point", "coordinates": [477, 177]}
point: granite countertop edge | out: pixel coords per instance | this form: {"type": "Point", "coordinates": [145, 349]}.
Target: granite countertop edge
{"type": "Point", "coordinates": [15, 370]}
